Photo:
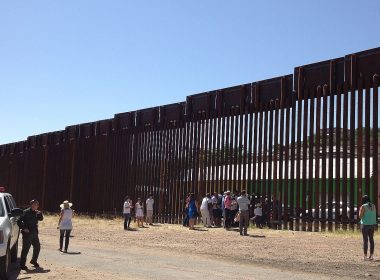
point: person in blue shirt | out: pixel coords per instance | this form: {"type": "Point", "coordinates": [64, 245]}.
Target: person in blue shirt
{"type": "Point", "coordinates": [367, 215]}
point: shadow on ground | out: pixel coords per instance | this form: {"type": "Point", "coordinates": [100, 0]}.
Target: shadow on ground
{"type": "Point", "coordinates": [15, 271]}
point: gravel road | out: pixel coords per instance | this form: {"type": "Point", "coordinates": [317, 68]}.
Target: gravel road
{"type": "Point", "coordinates": [138, 263]}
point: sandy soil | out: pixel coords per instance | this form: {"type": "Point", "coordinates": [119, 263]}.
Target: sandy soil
{"type": "Point", "coordinates": [330, 255]}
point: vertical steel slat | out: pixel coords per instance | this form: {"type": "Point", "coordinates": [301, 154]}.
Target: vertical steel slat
{"type": "Point", "coordinates": [222, 151]}
{"type": "Point", "coordinates": [217, 153]}
{"type": "Point", "coordinates": [245, 150]}
{"type": "Point", "coordinates": [337, 156]}
{"type": "Point", "coordinates": [180, 168]}
{"type": "Point", "coordinates": [270, 150]}
{"type": "Point", "coordinates": [345, 156]}
{"type": "Point", "coordinates": [260, 149]}
{"type": "Point", "coordinates": [304, 180]}
{"type": "Point", "coordinates": [143, 152]}
{"type": "Point", "coordinates": [161, 161]}
{"type": "Point", "coordinates": [210, 164]}
{"type": "Point", "coordinates": [209, 153]}
{"type": "Point", "coordinates": [250, 148]}
{"type": "Point", "coordinates": [287, 148]}
{"type": "Point", "coordinates": [163, 171]}
{"type": "Point", "coordinates": [202, 156]}
{"type": "Point", "coordinates": [324, 156]}
{"type": "Point", "coordinates": [240, 151]}
{"type": "Point", "coordinates": [352, 152]}
{"type": "Point", "coordinates": [226, 151]}
{"type": "Point", "coordinates": [197, 158]}
{"type": "Point", "coordinates": [375, 195]}
{"type": "Point", "coordinates": [174, 173]}
{"type": "Point", "coordinates": [167, 165]}
{"type": "Point", "coordinates": [293, 161]}
{"type": "Point", "coordinates": [170, 166]}
{"type": "Point", "coordinates": [299, 158]}
{"type": "Point", "coordinates": [186, 160]}
{"type": "Point", "coordinates": [236, 151]}
{"type": "Point", "coordinates": [265, 153]}
{"type": "Point", "coordinates": [360, 139]}
{"type": "Point", "coordinates": [139, 171]}
{"type": "Point", "coordinates": [331, 159]}
{"type": "Point", "coordinates": [367, 137]}
{"type": "Point", "coordinates": [276, 200]}
{"type": "Point", "coordinates": [192, 156]}
{"type": "Point", "coordinates": [168, 175]}
{"type": "Point", "coordinates": [231, 152]}
{"type": "Point", "coordinates": [311, 179]}
{"type": "Point", "coordinates": [151, 164]}
{"type": "Point", "coordinates": [180, 194]}
{"type": "Point", "coordinates": [281, 127]}
{"type": "Point", "coordinates": [254, 134]}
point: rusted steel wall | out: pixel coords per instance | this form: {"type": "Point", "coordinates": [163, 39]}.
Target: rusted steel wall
{"type": "Point", "coordinates": [307, 143]}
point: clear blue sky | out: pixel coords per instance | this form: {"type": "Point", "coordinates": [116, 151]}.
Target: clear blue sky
{"type": "Point", "coordinates": [68, 62]}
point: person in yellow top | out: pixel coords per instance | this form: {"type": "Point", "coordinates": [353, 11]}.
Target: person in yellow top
{"type": "Point", "coordinates": [367, 215]}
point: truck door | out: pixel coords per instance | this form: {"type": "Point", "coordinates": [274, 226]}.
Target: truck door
{"type": "Point", "coordinates": [9, 204]}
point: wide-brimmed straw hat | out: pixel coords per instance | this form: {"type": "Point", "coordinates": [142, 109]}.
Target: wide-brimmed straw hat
{"type": "Point", "coordinates": [66, 202]}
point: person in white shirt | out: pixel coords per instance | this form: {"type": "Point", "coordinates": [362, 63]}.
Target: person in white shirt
{"type": "Point", "coordinates": [258, 216]}
{"type": "Point", "coordinates": [243, 202]}
{"type": "Point", "coordinates": [206, 201]}
{"type": "Point", "coordinates": [127, 212]}
{"type": "Point", "coordinates": [65, 224]}
{"type": "Point", "coordinates": [149, 210]}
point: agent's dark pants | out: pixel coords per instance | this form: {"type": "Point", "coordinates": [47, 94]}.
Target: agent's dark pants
{"type": "Point", "coordinates": [367, 232]}
{"type": "Point", "coordinates": [64, 233]}
{"type": "Point", "coordinates": [29, 239]}
{"type": "Point", "coordinates": [127, 221]}
{"type": "Point", "coordinates": [244, 222]}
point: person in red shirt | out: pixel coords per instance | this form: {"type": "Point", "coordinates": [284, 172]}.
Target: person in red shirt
{"type": "Point", "coordinates": [227, 210]}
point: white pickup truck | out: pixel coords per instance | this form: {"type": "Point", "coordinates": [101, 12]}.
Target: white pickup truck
{"type": "Point", "coordinates": [9, 232]}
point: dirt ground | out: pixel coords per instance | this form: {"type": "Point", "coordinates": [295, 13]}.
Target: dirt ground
{"type": "Point", "coordinates": [300, 255]}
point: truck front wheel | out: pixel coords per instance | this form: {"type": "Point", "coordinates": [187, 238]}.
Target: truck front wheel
{"type": "Point", "coordinates": [14, 252]}
{"type": "Point", "coordinates": [5, 262]}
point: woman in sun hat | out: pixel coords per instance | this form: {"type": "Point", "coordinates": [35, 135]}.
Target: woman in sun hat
{"type": "Point", "coordinates": [65, 224]}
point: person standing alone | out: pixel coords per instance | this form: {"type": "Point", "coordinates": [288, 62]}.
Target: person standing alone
{"type": "Point", "coordinates": [65, 224]}
{"type": "Point", "coordinates": [367, 215]}
{"type": "Point", "coordinates": [244, 203]}
{"type": "Point", "coordinates": [28, 224]}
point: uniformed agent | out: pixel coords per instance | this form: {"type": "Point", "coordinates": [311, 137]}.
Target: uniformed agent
{"type": "Point", "coordinates": [28, 224]}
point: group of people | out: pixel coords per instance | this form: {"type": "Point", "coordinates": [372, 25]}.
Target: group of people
{"type": "Point", "coordinates": [231, 208]}
{"type": "Point", "coordinates": [28, 224]}
{"type": "Point", "coordinates": [138, 208]}
{"type": "Point", "coordinates": [234, 208]}
{"type": "Point", "coordinates": [213, 209]}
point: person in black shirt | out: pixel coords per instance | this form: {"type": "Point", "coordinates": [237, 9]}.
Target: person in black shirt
{"type": "Point", "coordinates": [28, 224]}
